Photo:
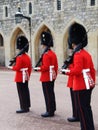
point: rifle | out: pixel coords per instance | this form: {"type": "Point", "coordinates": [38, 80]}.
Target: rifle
{"type": "Point", "coordinates": [13, 60]}
{"type": "Point", "coordinates": [69, 60]}
{"type": "Point", "coordinates": [40, 59]}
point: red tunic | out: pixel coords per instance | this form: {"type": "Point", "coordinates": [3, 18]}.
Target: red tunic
{"type": "Point", "coordinates": [70, 79]}
{"type": "Point", "coordinates": [82, 60]}
{"type": "Point", "coordinates": [49, 58]}
{"type": "Point", "coordinates": [22, 61]}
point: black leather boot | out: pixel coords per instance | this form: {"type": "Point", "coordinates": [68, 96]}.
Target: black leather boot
{"type": "Point", "coordinates": [22, 110]}
{"type": "Point", "coordinates": [73, 119]}
{"type": "Point", "coordinates": [47, 114]}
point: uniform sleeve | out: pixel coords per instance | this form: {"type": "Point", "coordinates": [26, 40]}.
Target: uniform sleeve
{"type": "Point", "coordinates": [18, 64]}
{"type": "Point", "coordinates": [45, 63]}
{"type": "Point", "coordinates": [92, 70]}
{"type": "Point", "coordinates": [30, 70]}
{"type": "Point", "coordinates": [56, 67]}
{"type": "Point", "coordinates": [77, 65]}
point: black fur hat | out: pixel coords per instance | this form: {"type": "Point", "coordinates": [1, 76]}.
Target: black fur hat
{"type": "Point", "coordinates": [22, 41]}
{"type": "Point", "coordinates": [46, 39]}
{"type": "Point", "coordinates": [77, 35]}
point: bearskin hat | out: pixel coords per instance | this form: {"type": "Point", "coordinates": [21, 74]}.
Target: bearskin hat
{"type": "Point", "coordinates": [22, 41]}
{"type": "Point", "coordinates": [77, 35]}
{"type": "Point", "coordinates": [46, 39]}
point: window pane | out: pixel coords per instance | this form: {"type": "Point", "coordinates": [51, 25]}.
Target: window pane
{"type": "Point", "coordinates": [30, 8]}
{"type": "Point", "coordinates": [6, 11]}
{"type": "Point", "coordinates": [92, 2]}
{"type": "Point", "coordinates": [58, 4]}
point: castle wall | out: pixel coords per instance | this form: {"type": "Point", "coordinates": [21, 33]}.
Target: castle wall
{"type": "Point", "coordinates": [45, 16]}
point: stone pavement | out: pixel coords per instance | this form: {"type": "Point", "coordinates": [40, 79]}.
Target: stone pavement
{"type": "Point", "coordinates": [9, 120]}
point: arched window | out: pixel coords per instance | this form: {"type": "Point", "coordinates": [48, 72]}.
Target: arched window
{"type": "Point", "coordinates": [6, 11]}
{"type": "Point", "coordinates": [1, 40]}
{"type": "Point", "coordinates": [58, 4]}
{"type": "Point", "coordinates": [30, 8]}
{"type": "Point", "coordinates": [92, 2]}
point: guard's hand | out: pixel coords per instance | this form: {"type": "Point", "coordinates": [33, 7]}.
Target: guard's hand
{"type": "Point", "coordinates": [65, 71]}
{"type": "Point", "coordinates": [9, 67]}
{"type": "Point", "coordinates": [36, 68]}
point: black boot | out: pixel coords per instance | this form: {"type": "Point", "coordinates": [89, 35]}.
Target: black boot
{"type": "Point", "coordinates": [73, 119]}
{"type": "Point", "coordinates": [47, 114]}
{"type": "Point", "coordinates": [22, 110]}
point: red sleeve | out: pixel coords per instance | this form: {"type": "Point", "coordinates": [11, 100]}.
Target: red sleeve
{"type": "Point", "coordinates": [45, 63]}
{"type": "Point", "coordinates": [93, 71]}
{"type": "Point", "coordinates": [18, 64]}
{"type": "Point", "coordinates": [78, 65]}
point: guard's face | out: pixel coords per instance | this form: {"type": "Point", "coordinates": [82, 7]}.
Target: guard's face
{"type": "Point", "coordinates": [17, 51]}
{"type": "Point", "coordinates": [74, 45]}
{"type": "Point", "coordinates": [43, 46]}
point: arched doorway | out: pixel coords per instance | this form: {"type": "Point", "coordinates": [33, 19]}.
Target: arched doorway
{"type": "Point", "coordinates": [65, 45]}
{"type": "Point", "coordinates": [15, 34]}
{"type": "Point", "coordinates": [2, 51]}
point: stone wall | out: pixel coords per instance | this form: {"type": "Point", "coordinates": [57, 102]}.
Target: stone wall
{"type": "Point", "coordinates": [45, 16]}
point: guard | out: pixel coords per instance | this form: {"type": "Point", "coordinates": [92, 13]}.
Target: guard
{"type": "Point", "coordinates": [48, 69]}
{"type": "Point", "coordinates": [23, 69]}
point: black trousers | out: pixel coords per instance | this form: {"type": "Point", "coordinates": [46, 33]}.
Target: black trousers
{"type": "Point", "coordinates": [24, 95]}
{"type": "Point", "coordinates": [75, 112]}
{"type": "Point", "coordinates": [49, 95]}
{"type": "Point", "coordinates": [85, 111]}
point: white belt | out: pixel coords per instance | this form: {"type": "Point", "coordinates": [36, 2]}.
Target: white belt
{"type": "Point", "coordinates": [24, 74]}
{"type": "Point", "coordinates": [86, 78]}
{"type": "Point", "coordinates": [51, 72]}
